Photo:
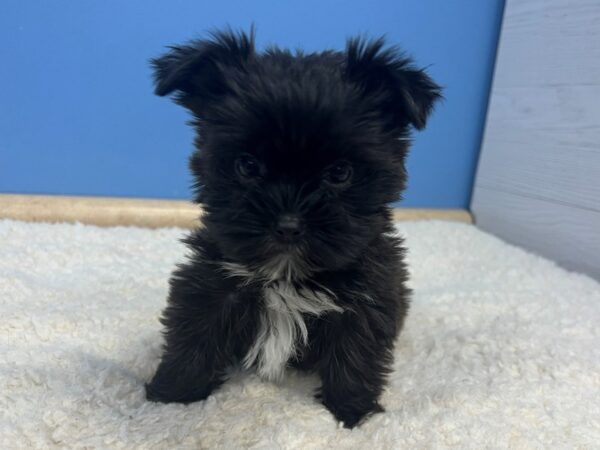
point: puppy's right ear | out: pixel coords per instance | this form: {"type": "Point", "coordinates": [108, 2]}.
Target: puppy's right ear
{"type": "Point", "coordinates": [195, 72]}
{"type": "Point", "coordinates": [404, 94]}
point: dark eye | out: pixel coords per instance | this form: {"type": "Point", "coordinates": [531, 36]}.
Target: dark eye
{"type": "Point", "coordinates": [339, 173]}
{"type": "Point", "coordinates": [247, 167]}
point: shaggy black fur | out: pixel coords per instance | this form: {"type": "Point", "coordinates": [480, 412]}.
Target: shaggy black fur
{"type": "Point", "coordinates": [298, 156]}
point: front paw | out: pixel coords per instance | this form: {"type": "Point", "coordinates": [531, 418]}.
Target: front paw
{"type": "Point", "coordinates": [351, 412]}
{"type": "Point", "coordinates": [161, 393]}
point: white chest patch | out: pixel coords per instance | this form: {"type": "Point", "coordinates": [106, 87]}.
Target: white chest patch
{"type": "Point", "coordinates": [282, 325]}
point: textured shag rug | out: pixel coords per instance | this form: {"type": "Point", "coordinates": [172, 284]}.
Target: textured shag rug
{"type": "Point", "coordinates": [501, 349]}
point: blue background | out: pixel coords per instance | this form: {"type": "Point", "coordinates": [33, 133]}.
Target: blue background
{"type": "Point", "coordinates": [77, 114]}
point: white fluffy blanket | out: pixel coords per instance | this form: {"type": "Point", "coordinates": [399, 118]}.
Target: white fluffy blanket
{"type": "Point", "coordinates": [501, 350]}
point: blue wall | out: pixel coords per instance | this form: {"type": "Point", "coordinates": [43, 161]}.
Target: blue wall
{"type": "Point", "coordinates": [77, 114]}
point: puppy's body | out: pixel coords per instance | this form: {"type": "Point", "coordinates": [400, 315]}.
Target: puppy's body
{"type": "Point", "coordinates": [296, 264]}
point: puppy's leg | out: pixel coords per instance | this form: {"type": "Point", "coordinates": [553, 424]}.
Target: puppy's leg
{"type": "Point", "coordinates": [207, 324]}
{"type": "Point", "coordinates": [355, 367]}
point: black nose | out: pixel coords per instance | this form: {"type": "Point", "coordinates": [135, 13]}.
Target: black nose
{"type": "Point", "coordinates": [289, 227]}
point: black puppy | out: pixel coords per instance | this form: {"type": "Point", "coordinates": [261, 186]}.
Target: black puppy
{"type": "Point", "coordinates": [298, 158]}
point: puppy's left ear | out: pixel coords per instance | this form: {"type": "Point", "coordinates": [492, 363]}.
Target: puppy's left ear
{"type": "Point", "coordinates": [197, 72]}
{"type": "Point", "coordinates": [403, 94]}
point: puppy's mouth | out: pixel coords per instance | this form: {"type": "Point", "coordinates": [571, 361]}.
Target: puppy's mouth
{"type": "Point", "coordinates": [287, 262]}
{"type": "Point", "coordinates": [290, 249]}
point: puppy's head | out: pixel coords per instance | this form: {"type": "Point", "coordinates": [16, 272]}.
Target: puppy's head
{"type": "Point", "coordinates": [298, 155]}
